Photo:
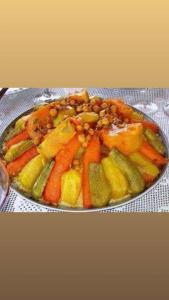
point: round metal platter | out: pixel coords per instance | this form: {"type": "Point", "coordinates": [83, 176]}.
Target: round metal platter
{"type": "Point", "coordinates": [82, 210]}
{"type": "Point", "coordinates": [4, 185]}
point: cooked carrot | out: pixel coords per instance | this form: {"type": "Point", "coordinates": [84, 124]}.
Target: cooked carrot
{"type": "Point", "coordinates": [122, 108]}
{"type": "Point", "coordinates": [38, 118]}
{"type": "Point", "coordinates": [75, 121]}
{"type": "Point", "coordinates": [146, 124]}
{"type": "Point", "coordinates": [63, 162]}
{"type": "Point", "coordinates": [17, 138]}
{"type": "Point", "coordinates": [92, 154]}
{"type": "Point", "coordinates": [147, 150]}
{"type": "Point", "coordinates": [148, 178]}
{"type": "Point", "coordinates": [16, 166]}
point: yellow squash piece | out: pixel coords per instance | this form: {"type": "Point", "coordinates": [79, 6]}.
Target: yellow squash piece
{"type": "Point", "coordinates": [56, 139]}
{"type": "Point", "coordinates": [117, 180]}
{"type": "Point", "coordinates": [89, 117]}
{"type": "Point", "coordinates": [30, 172]}
{"type": "Point", "coordinates": [70, 187]}
{"type": "Point", "coordinates": [144, 164]}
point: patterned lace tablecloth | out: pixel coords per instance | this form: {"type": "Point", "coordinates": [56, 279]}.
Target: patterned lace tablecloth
{"type": "Point", "coordinates": [157, 200]}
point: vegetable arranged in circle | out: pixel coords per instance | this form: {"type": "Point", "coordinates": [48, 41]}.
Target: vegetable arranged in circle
{"type": "Point", "coordinates": [83, 152]}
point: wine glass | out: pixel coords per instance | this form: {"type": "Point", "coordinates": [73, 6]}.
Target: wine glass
{"type": "Point", "coordinates": [46, 95]}
{"type": "Point", "coordinates": [145, 104]}
{"type": "Point", "coordinates": [69, 91]}
{"type": "Point", "coordinates": [166, 105]}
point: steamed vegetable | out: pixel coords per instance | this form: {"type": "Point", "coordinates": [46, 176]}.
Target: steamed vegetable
{"type": "Point", "coordinates": [30, 173]}
{"type": "Point", "coordinates": [126, 140]}
{"type": "Point", "coordinates": [147, 150]}
{"type": "Point", "coordinates": [117, 180]}
{"type": "Point", "coordinates": [22, 136]}
{"type": "Point", "coordinates": [135, 179]}
{"type": "Point", "coordinates": [145, 166]}
{"type": "Point", "coordinates": [122, 108]}
{"type": "Point", "coordinates": [37, 120]}
{"type": "Point", "coordinates": [99, 187]}
{"type": "Point", "coordinates": [155, 141]}
{"type": "Point", "coordinates": [69, 111]}
{"type": "Point", "coordinates": [55, 140]}
{"type": "Point", "coordinates": [89, 117]}
{"type": "Point", "coordinates": [17, 165]}
{"type": "Point", "coordinates": [19, 126]}
{"type": "Point", "coordinates": [70, 187]}
{"type": "Point", "coordinates": [63, 162]}
{"type": "Point", "coordinates": [136, 116]}
{"type": "Point", "coordinates": [82, 96]}
{"type": "Point", "coordinates": [41, 181]}
{"type": "Point", "coordinates": [92, 155]}
{"type": "Point", "coordinates": [17, 150]}
{"type": "Point", "coordinates": [83, 151]}
{"type": "Point", "coordinates": [146, 124]}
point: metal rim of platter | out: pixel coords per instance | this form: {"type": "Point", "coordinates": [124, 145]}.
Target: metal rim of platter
{"type": "Point", "coordinates": [4, 185]}
{"type": "Point", "coordinates": [82, 210]}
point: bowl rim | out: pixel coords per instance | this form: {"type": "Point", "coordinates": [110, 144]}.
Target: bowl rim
{"type": "Point", "coordinates": [92, 210]}
{"type": "Point", "coordinates": [5, 190]}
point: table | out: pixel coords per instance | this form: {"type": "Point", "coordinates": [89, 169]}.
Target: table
{"type": "Point", "coordinates": [157, 200]}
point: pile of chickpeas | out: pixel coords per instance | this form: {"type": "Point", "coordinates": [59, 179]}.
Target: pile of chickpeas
{"type": "Point", "coordinates": [106, 111]}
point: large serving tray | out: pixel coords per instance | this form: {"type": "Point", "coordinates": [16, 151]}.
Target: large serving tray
{"type": "Point", "coordinates": [113, 205]}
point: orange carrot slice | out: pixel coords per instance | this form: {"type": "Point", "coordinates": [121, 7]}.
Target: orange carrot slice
{"type": "Point", "coordinates": [63, 162]}
{"type": "Point", "coordinates": [147, 150]}
{"type": "Point", "coordinates": [17, 165]}
{"type": "Point", "coordinates": [17, 138]}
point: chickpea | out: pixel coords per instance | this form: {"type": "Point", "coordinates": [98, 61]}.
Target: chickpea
{"type": "Point", "coordinates": [84, 145]}
{"type": "Point", "coordinates": [99, 123]}
{"type": "Point", "coordinates": [36, 140]}
{"type": "Point", "coordinates": [102, 113]}
{"type": "Point", "coordinates": [79, 128]}
{"type": "Point", "coordinates": [49, 125]}
{"type": "Point", "coordinates": [79, 108]}
{"type": "Point", "coordinates": [93, 101]}
{"type": "Point", "coordinates": [81, 138]}
{"type": "Point", "coordinates": [91, 131]}
{"type": "Point", "coordinates": [105, 121]}
{"type": "Point", "coordinates": [76, 162]}
{"type": "Point", "coordinates": [104, 105]}
{"type": "Point", "coordinates": [65, 116]}
{"type": "Point", "coordinates": [85, 108]}
{"type": "Point", "coordinates": [53, 112]}
{"type": "Point", "coordinates": [96, 108]}
{"type": "Point", "coordinates": [86, 126]}
{"type": "Point", "coordinates": [72, 102]}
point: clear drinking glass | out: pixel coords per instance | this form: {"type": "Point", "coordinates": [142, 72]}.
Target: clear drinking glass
{"type": "Point", "coordinates": [166, 105]}
{"type": "Point", "coordinates": [45, 96]}
{"type": "Point", "coordinates": [69, 91]}
{"type": "Point", "coordinates": [145, 104]}
{"type": "Point", "coordinates": [49, 94]}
